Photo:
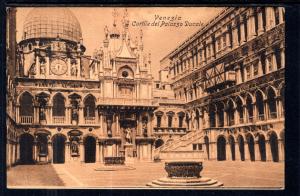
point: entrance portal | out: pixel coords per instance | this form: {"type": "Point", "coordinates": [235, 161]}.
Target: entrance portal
{"type": "Point", "coordinates": [26, 149]}
{"type": "Point", "coordinates": [90, 149]}
{"type": "Point", "coordinates": [221, 147]}
{"type": "Point", "coordinates": [232, 147]}
{"type": "Point", "coordinates": [250, 142]}
{"type": "Point", "coordinates": [59, 149]}
{"type": "Point", "coordinates": [262, 147]}
{"type": "Point", "coordinates": [241, 147]}
{"type": "Point", "coordinates": [274, 147]}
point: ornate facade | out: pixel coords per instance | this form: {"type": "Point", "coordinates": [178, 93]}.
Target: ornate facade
{"type": "Point", "coordinates": [230, 75]}
{"type": "Point", "coordinates": [220, 95]}
{"type": "Point", "coordinates": [65, 106]}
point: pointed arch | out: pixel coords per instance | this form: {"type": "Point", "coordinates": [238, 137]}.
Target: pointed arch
{"type": "Point", "coordinates": [271, 102]}
{"type": "Point", "coordinates": [231, 106]}
{"type": "Point", "coordinates": [26, 105]}
{"type": "Point", "coordinates": [58, 105]}
{"type": "Point", "coordinates": [251, 148]}
{"type": "Point", "coordinates": [259, 101]}
{"type": "Point", "coordinates": [89, 102]}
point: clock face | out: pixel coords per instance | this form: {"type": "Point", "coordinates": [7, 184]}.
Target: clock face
{"type": "Point", "coordinates": [58, 67]}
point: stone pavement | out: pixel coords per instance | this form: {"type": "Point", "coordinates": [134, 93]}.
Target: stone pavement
{"type": "Point", "coordinates": [75, 175]}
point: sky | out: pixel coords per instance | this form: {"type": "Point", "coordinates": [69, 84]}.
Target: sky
{"type": "Point", "coordinates": [159, 40]}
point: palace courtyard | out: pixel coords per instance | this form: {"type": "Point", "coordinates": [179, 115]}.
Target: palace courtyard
{"type": "Point", "coordinates": [234, 175]}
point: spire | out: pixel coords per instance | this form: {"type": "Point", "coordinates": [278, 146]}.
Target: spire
{"type": "Point", "coordinates": [115, 15]}
{"type": "Point", "coordinates": [141, 40]}
{"type": "Point", "coordinates": [125, 23]}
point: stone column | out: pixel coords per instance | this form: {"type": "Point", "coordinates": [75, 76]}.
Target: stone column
{"type": "Point", "coordinates": [81, 149]}
{"type": "Point", "coordinates": [225, 118]}
{"type": "Point", "coordinates": [268, 151]}
{"type": "Point", "coordinates": [78, 67]}
{"type": "Point", "coordinates": [228, 44]}
{"type": "Point", "coordinates": [281, 151]}
{"type": "Point", "coordinates": [246, 151]}
{"type": "Point", "coordinates": [282, 57]}
{"type": "Point", "coordinates": [237, 151]}
{"type": "Point", "coordinates": [270, 18]}
{"type": "Point", "coordinates": [17, 113]}
{"type": "Point", "coordinates": [101, 153]}
{"type": "Point", "coordinates": [255, 117]}
{"type": "Point", "coordinates": [280, 11]}
{"type": "Point", "coordinates": [260, 71]}
{"type": "Point", "coordinates": [69, 67]}
{"type": "Point", "coordinates": [81, 116]}
{"type": "Point", "coordinates": [274, 62]}
{"type": "Point", "coordinates": [102, 131]}
{"type": "Point", "coordinates": [47, 65]}
{"type": "Point", "coordinates": [117, 124]}
{"type": "Point", "coordinates": [37, 63]}
{"type": "Point", "coordinates": [35, 150]}
{"type": "Point", "coordinates": [256, 151]}
{"type": "Point", "coordinates": [50, 153]}
{"type": "Point", "coordinates": [242, 31]}
{"type": "Point", "coordinates": [267, 65]}
{"type": "Point", "coordinates": [228, 152]}
{"type": "Point", "coordinates": [67, 153]}
{"type": "Point", "coordinates": [260, 21]}
{"type": "Point", "coordinates": [251, 25]}
{"type": "Point", "coordinates": [235, 43]}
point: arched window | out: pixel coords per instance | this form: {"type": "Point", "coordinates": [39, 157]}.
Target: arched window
{"type": "Point", "coordinates": [26, 104]}
{"type": "Point", "coordinates": [180, 119]}
{"type": "Point", "coordinates": [58, 105]}
{"type": "Point", "coordinates": [170, 118]}
{"type": "Point", "coordinates": [249, 107]}
{"type": "Point", "coordinates": [230, 113]}
{"type": "Point", "coordinates": [272, 104]}
{"type": "Point", "coordinates": [89, 107]}
{"type": "Point", "coordinates": [260, 106]}
{"type": "Point", "coordinates": [212, 116]}
{"type": "Point", "coordinates": [239, 108]}
{"type": "Point", "coordinates": [220, 111]}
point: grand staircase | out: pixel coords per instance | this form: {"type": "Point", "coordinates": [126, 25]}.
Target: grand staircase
{"type": "Point", "coordinates": [181, 148]}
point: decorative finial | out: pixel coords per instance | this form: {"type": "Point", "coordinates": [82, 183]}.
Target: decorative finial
{"type": "Point", "coordinates": [106, 32]}
{"type": "Point", "coordinates": [115, 15]}
{"type": "Point", "coordinates": [141, 33]}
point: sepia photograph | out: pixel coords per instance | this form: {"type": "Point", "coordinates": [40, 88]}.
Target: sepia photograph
{"type": "Point", "coordinates": [145, 98]}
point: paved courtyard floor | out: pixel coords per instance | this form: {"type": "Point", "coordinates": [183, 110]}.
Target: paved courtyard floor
{"type": "Point", "coordinates": [79, 175]}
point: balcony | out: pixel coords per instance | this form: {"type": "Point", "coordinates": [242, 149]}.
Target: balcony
{"type": "Point", "coordinates": [26, 119]}
{"type": "Point", "coordinates": [273, 115]}
{"type": "Point", "coordinates": [250, 119]}
{"type": "Point", "coordinates": [59, 120]}
{"type": "Point", "coordinates": [125, 101]}
{"type": "Point", "coordinates": [169, 130]}
{"type": "Point", "coordinates": [261, 117]}
{"type": "Point", "coordinates": [90, 120]}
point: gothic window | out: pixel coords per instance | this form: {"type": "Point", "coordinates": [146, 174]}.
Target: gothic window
{"type": "Point", "coordinates": [255, 69]}
{"type": "Point", "coordinates": [260, 105]}
{"type": "Point", "coordinates": [272, 103]}
{"type": "Point", "coordinates": [58, 105]}
{"type": "Point", "coordinates": [158, 121]}
{"type": "Point", "coordinates": [89, 107]}
{"type": "Point", "coordinates": [170, 118]}
{"type": "Point", "coordinates": [248, 73]}
{"type": "Point", "coordinates": [26, 105]}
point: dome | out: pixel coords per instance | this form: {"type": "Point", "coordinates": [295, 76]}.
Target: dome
{"type": "Point", "coordinates": [52, 23]}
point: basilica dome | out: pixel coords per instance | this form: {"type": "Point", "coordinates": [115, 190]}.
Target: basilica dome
{"type": "Point", "coordinates": [52, 23]}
